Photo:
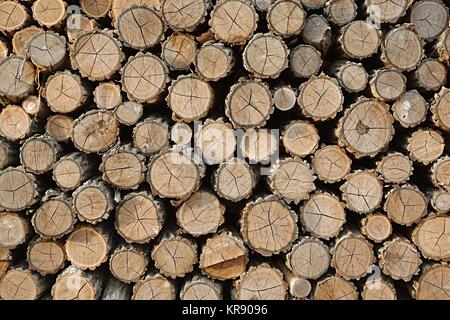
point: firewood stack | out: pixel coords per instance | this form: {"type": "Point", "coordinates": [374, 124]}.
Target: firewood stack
{"type": "Point", "coordinates": [229, 149]}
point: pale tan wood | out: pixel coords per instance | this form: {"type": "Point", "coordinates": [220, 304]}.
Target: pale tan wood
{"type": "Point", "coordinates": [154, 287]}
{"type": "Point", "coordinates": [399, 259]}
{"type": "Point", "coordinates": [95, 131]}
{"type": "Point", "coordinates": [431, 74]}
{"type": "Point", "coordinates": [335, 288]}
{"type": "Point", "coordinates": [286, 18]}
{"type": "Point", "coordinates": [432, 237]}
{"type": "Point", "coordinates": [430, 18]}
{"type": "Point", "coordinates": [18, 189]}
{"type": "Point", "coordinates": [378, 289]}
{"type": "Point", "coordinates": [261, 282]}
{"type": "Point", "coordinates": [442, 47]}
{"type": "Point", "coordinates": [284, 98]}
{"type": "Point", "coordinates": [23, 83]}
{"type": "Point", "coordinates": [4, 50]}
{"type": "Point", "coordinates": [181, 133]}
{"type": "Point", "coordinates": [14, 230]}
{"type": "Point", "coordinates": [317, 32]}
{"type": "Point", "coordinates": [352, 76]}
{"type": "Point", "coordinates": [320, 98]}
{"type": "Point", "coordinates": [440, 109]}
{"type": "Point", "coordinates": [440, 173]}
{"type": "Point", "coordinates": [8, 153]}
{"type": "Point", "coordinates": [107, 95]}
{"type": "Point", "coordinates": [46, 256]}
{"type": "Point", "coordinates": [129, 112]}
{"type": "Point", "coordinates": [366, 128]}
{"type": "Point", "coordinates": [174, 256]}
{"type": "Point", "coordinates": [268, 225]}
{"type": "Point", "coordinates": [185, 14]}
{"type": "Point", "coordinates": [151, 135]}
{"type": "Point", "coordinates": [313, 4]}
{"type": "Point", "coordinates": [410, 109]}
{"type": "Point", "coordinates": [305, 61]}
{"type": "Point", "coordinates": [93, 201]}
{"type": "Point", "coordinates": [114, 289]}
{"type": "Point", "coordinates": [309, 258]}
{"type": "Point", "coordinates": [59, 126]}
{"type": "Point", "coordinates": [390, 11]}
{"type": "Point", "coordinates": [22, 38]}
{"type": "Point", "coordinates": [233, 21]}
{"type": "Point", "coordinates": [322, 215]}
{"type": "Point", "coordinates": [119, 6]}
{"type": "Point", "coordinates": [78, 23]}
{"type": "Point", "coordinates": [179, 51]}
{"type": "Point", "coordinates": [425, 145]}
{"type": "Point", "coordinates": [72, 170]}
{"type": "Point", "coordinates": [35, 106]}
{"type": "Point", "coordinates": [249, 104]}
{"type": "Point", "coordinates": [100, 61]}
{"type": "Point", "coordinates": [198, 287]}
{"type": "Point", "coordinates": [405, 204]}
{"type": "Point", "coordinates": [359, 39]}
{"type": "Point", "coordinates": [5, 261]}
{"type": "Point", "coordinates": [432, 284]}
{"type": "Point", "coordinates": [362, 191]}
{"type": "Point", "coordinates": [139, 217]}
{"type": "Point", "coordinates": [128, 263]}
{"type": "Point", "coordinates": [140, 27]}
{"type": "Point", "coordinates": [96, 8]}
{"type": "Point", "coordinates": [376, 227]}
{"type": "Point", "coordinates": [331, 163]}
{"type": "Point", "coordinates": [258, 145]}
{"type": "Point", "coordinates": [291, 179]}
{"type": "Point", "coordinates": [75, 284]}
{"type": "Point", "coordinates": [13, 16]}
{"type": "Point", "coordinates": [22, 284]}
{"type": "Point", "coordinates": [300, 138]}
{"type": "Point", "coordinates": [202, 213]}
{"type": "Point", "coordinates": [440, 201]}
{"type": "Point", "coordinates": [340, 12]}
{"type": "Point", "coordinates": [387, 84]}
{"type": "Point", "coordinates": [47, 50]}
{"type": "Point", "coordinates": [49, 13]}
{"type": "Point", "coordinates": [298, 287]}
{"type": "Point", "coordinates": [395, 167]}
{"type": "Point", "coordinates": [213, 61]}
{"type": "Point", "coordinates": [39, 153]}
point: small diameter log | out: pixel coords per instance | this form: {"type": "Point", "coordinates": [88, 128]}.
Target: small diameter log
{"type": "Point", "coordinates": [115, 289]}
{"type": "Point", "coordinates": [46, 256]}
{"type": "Point", "coordinates": [291, 179]}
{"type": "Point", "coordinates": [440, 201]}
{"type": "Point", "coordinates": [93, 201]}
{"type": "Point", "coordinates": [8, 153]}
{"type": "Point", "coordinates": [432, 283]}
{"type": "Point", "coordinates": [440, 173]}
{"type": "Point", "coordinates": [309, 258]}
{"type": "Point", "coordinates": [216, 141]}
{"type": "Point", "coordinates": [233, 21]}
{"type": "Point", "coordinates": [300, 138]}
{"type": "Point", "coordinates": [47, 50]}
{"type": "Point", "coordinates": [18, 76]}
{"type": "Point", "coordinates": [359, 39]}
{"type": "Point", "coordinates": [298, 287]}
{"type": "Point", "coordinates": [351, 76]}
{"type": "Point", "coordinates": [154, 287]}
{"type": "Point", "coordinates": [305, 61]}
{"type": "Point", "coordinates": [335, 288]}
{"type": "Point", "coordinates": [405, 204]}
{"type": "Point", "coordinates": [395, 167]}
{"type": "Point", "coordinates": [249, 104]}
{"type": "Point", "coordinates": [64, 92]}
{"type": "Point", "coordinates": [430, 18]}
{"type": "Point", "coordinates": [340, 12]}
{"type": "Point", "coordinates": [174, 256]}
{"type": "Point", "coordinates": [95, 131]}
{"type": "Point", "coordinates": [128, 263]}
{"type": "Point", "coordinates": [440, 107]}
{"type": "Point", "coordinates": [174, 174]}
{"type": "Point", "coordinates": [39, 153]}
{"type": "Point", "coordinates": [49, 13]}
{"type": "Point", "coordinates": [185, 16]}
{"type": "Point", "coordinates": [317, 32]}
{"type": "Point", "coordinates": [198, 287]}
{"type": "Point", "coordinates": [119, 6]}
{"type": "Point", "coordinates": [14, 229]}
{"type": "Point", "coordinates": [376, 227]}
{"type": "Point", "coordinates": [410, 109]}
{"type": "Point", "coordinates": [5, 260]}
{"type": "Point", "coordinates": [431, 74]}
{"type": "Point", "coordinates": [261, 282]}
{"type": "Point", "coordinates": [22, 284]}
{"type": "Point", "coordinates": [181, 134]}
{"type": "Point", "coordinates": [139, 217]}
{"type": "Point", "coordinates": [13, 16]}
{"type": "Point", "coordinates": [223, 256]}
{"type": "Point", "coordinates": [150, 136]}
{"type": "Point", "coordinates": [381, 11]}
{"type": "Point", "coordinates": [107, 95]}
{"type": "Point", "coordinates": [258, 145]}
{"type": "Point", "coordinates": [286, 18]}
{"type": "Point", "coordinates": [22, 38]}
{"type": "Point", "coordinates": [399, 259]}
{"type": "Point", "coordinates": [268, 225]}
{"type": "Point", "coordinates": [78, 23]}
{"type": "Point", "coordinates": [179, 50]}
{"type": "Point", "coordinates": [352, 256]}
{"type": "Point", "coordinates": [432, 237]}
{"type": "Point", "coordinates": [97, 62]}
{"type": "Point", "coordinates": [96, 8]}
{"type": "Point", "coordinates": [362, 191]}
{"type": "Point", "coordinates": [72, 170]}
{"type": "Point", "coordinates": [35, 106]}
{"type": "Point", "coordinates": [234, 180]}
{"type": "Point", "coordinates": [129, 112]}
{"type": "Point", "coordinates": [213, 61]}
{"type": "Point", "coordinates": [18, 189]}
{"type": "Point", "coordinates": [366, 128]}
{"type": "Point", "coordinates": [331, 163]}
{"type": "Point", "coordinates": [320, 98]}
{"type": "Point", "coordinates": [313, 4]}
{"type": "Point", "coordinates": [54, 218]}
{"type": "Point", "coordinates": [189, 98]}
{"type": "Point", "coordinates": [202, 213]}
{"type": "Point", "coordinates": [402, 48]}
{"type": "Point", "coordinates": [322, 215]}
{"type": "Point", "coordinates": [442, 47]}
{"type": "Point", "coordinates": [387, 84]}
{"type": "Point", "coordinates": [75, 284]}
{"type": "Point", "coordinates": [87, 247]}
{"type": "Point", "coordinates": [284, 98]}
{"type": "Point", "coordinates": [378, 288]}
{"type": "Point", "coordinates": [425, 145]}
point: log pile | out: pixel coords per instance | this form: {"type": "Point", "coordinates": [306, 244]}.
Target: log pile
{"type": "Point", "coordinates": [224, 149]}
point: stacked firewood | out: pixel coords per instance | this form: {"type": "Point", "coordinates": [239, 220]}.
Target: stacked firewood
{"type": "Point", "coordinates": [229, 149]}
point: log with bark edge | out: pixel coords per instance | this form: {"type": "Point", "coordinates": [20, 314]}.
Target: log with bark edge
{"type": "Point", "coordinates": [72, 170]}
{"type": "Point", "coordinates": [154, 286]}
{"type": "Point", "coordinates": [20, 283]}
{"type": "Point", "coordinates": [405, 204]}
{"type": "Point", "coordinates": [128, 262]}
{"type": "Point", "coordinates": [410, 109]}
{"type": "Point", "coordinates": [76, 284]}
{"type": "Point", "coordinates": [198, 287]}
{"type": "Point", "coordinates": [14, 230]}
{"type": "Point", "coordinates": [433, 277]}
{"type": "Point", "coordinates": [46, 256]}
{"type": "Point", "coordinates": [335, 288]}
{"type": "Point", "coordinates": [49, 13]}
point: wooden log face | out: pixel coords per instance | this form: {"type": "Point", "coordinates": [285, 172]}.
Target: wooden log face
{"type": "Point", "coordinates": [387, 85]}
{"type": "Point", "coordinates": [18, 189]}
{"type": "Point", "coordinates": [59, 127]}
{"type": "Point", "coordinates": [53, 219]}
{"type": "Point", "coordinates": [76, 24]}
{"type": "Point", "coordinates": [13, 230]}
{"type": "Point", "coordinates": [127, 264]}
{"type": "Point", "coordinates": [341, 12]}
{"type": "Point", "coordinates": [395, 168]}
{"type": "Point", "coordinates": [402, 48]}
{"type": "Point", "coordinates": [234, 180]}
{"type": "Point", "coordinates": [92, 201]}
{"type": "Point", "coordinates": [430, 18]}
{"type": "Point", "coordinates": [46, 256]}
{"type": "Point", "coordinates": [73, 287]}
{"type": "Point", "coordinates": [362, 192]}
{"type": "Point", "coordinates": [410, 109]}
{"type": "Point", "coordinates": [156, 287]}
{"type": "Point", "coordinates": [434, 278]}
{"type": "Point", "coordinates": [305, 61]}
{"type": "Point", "coordinates": [18, 284]}
{"type": "Point", "coordinates": [95, 8]}
{"type": "Point", "coordinates": [431, 74]}
{"type": "Point", "coordinates": [359, 39]}
{"type": "Point", "coordinates": [15, 123]}
{"type": "Point", "coordinates": [213, 61]}
{"type": "Point", "coordinates": [300, 138]}
{"type": "Point", "coordinates": [432, 237]}
{"type": "Point", "coordinates": [13, 16]}
{"type": "Point", "coordinates": [335, 288]}
{"type": "Point", "coordinates": [150, 136]}
{"type": "Point", "coordinates": [331, 164]}
{"type": "Point", "coordinates": [441, 115]}
{"type": "Point", "coordinates": [129, 112]}
{"type": "Point", "coordinates": [52, 55]}
{"type": "Point", "coordinates": [379, 289]}
{"type": "Point", "coordinates": [23, 84]}
{"type": "Point", "coordinates": [119, 6]}
{"type": "Point", "coordinates": [200, 288]}
{"type": "Point", "coordinates": [441, 201]}
{"type": "Point", "coordinates": [405, 205]}
{"type": "Point", "coordinates": [386, 11]}
{"type": "Point", "coordinates": [399, 259]}
{"type": "Point", "coordinates": [179, 50]}
{"type": "Point", "coordinates": [39, 153]}
{"type": "Point", "coordinates": [377, 227]}
{"type": "Point", "coordinates": [425, 145]}
{"type": "Point", "coordinates": [286, 18]}
{"type": "Point", "coordinates": [64, 92]}
{"type": "Point", "coordinates": [22, 38]}
{"type": "Point", "coordinates": [49, 13]}
{"type": "Point", "coordinates": [258, 145]}
{"type": "Point", "coordinates": [309, 259]}
{"type": "Point", "coordinates": [441, 173]}
{"type": "Point", "coordinates": [185, 15]}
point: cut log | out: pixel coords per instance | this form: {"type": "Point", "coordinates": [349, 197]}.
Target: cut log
{"type": "Point", "coordinates": [46, 256]}
{"type": "Point", "coordinates": [8, 154]}
{"type": "Point", "coordinates": [440, 201]}
{"type": "Point", "coordinates": [440, 173]}
{"type": "Point", "coordinates": [185, 16]}
{"type": "Point", "coordinates": [119, 6]}
{"type": "Point", "coordinates": [286, 18]}
{"type": "Point", "coordinates": [335, 288]}
{"type": "Point", "coordinates": [49, 13]}
{"type": "Point", "coordinates": [233, 21]}
{"type": "Point", "coordinates": [387, 84]}
{"type": "Point", "coordinates": [201, 214]}
{"type": "Point", "coordinates": [22, 284]}
{"type": "Point", "coordinates": [258, 145]}
{"type": "Point", "coordinates": [432, 237]}
{"type": "Point", "coordinates": [150, 136]}
{"type": "Point", "coordinates": [410, 109]}
{"type": "Point", "coordinates": [39, 153]}
{"type": "Point", "coordinates": [181, 134]}
{"type": "Point", "coordinates": [317, 32]}
{"type": "Point", "coordinates": [35, 106]}
{"type": "Point", "coordinates": [284, 98]}
{"type": "Point", "coordinates": [213, 61]}
{"type": "Point", "coordinates": [309, 258]}
{"type": "Point", "coordinates": [443, 47]}
{"type": "Point", "coordinates": [154, 287]}
{"type": "Point", "coordinates": [59, 126]}
{"type": "Point", "coordinates": [223, 256]}
{"type": "Point", "coordinates": [18, 76]}
{"type": "Point", "coordinates": [128, 263]}
{"type": "Point", "coordinates": [431, 284]}
{"type": "Point", "coordinates": [107, 95]}
{"type": "Point", "coordinates": [96, 8]}
{"type": "Point", "coordinates": [331, 163]}
{"type": "Point", "coordinates": [4, 50]}
{"type": "Point", "coordinates": [14, 230]}
{"type": "Point", "coordinates": [93, 201]}
{"type": "Point", "coordinates": [395, 167]}
{"type": "Point", "coordinates": [376, 227]}
{"type": "Point", "coordinates": [362, 191]}
{"type": "Point", "coordinates": [322, 215]}
{"type": "Point", "coordinates": [431, 74]}
{"type": "Point", "coordinates": [381, 11]}
{"type": "Point", "coordinates": [139, 217]}
{"type": "Point", "coordinates": [78, 23]}
{"type": "Point", "coordinates": [359, 39]}
{"type": "Point", "coordinates": [129, 112]}
{"type": "Point", "coordinates": [439, 109]}
{"type": "Point", "coordinates": [352, 76]}
{"type": "Point", "coordinates": [300, 138]}
{"type": "Point", "coordinates": [305, 61]}
{"type": "Point", "coordinates": [268, 225]}
{"type": "Point", "coordinates": [261, 282]}
{"type": "Point", "coordinates": [379, 288]}
{"type": "Point", "coordinates": [425, 145]}
{"type": "Point", "coordinates": [179, 50]}
{"type": "Point", "coordinates": [198, 287]}
{"type": "Point", "coordinates": [114, 289]}
{"type": "Point", "coordinates": [340, 12]}
{"type": "Point", "coordinates": [5, 260]}
{"type": "Point", "coordinates": [22, 38]}
{"type": "Point", "coordinates": [13, 16]}
{"type": "Point", "coordinates": [430, 18]}
{"type": "Point", "coordinates": [72, 170]}
{"type": "Point", "coordinates": [405, 205]}
{"type": "Point", "coordinates": [47, 50]}
{"type": "Point", "coordinates": [298, 287]}
{"type": "Point", "coordinates": [76, 284]}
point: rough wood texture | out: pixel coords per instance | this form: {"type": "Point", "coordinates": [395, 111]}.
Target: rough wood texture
{"type": "Point", "coordinates": [387, 84]}
{"type": "Point", "coordinates": [376, 227]}
{"type": "Point", "coordinates": [39, 153]}
{"type": "Point", "coordinates": [72, 170]}
{"type": "Point", "coordinates": [331, 163]}
{"type": "Point", "coordinates": [179, 50]}
{"type": "Point", "coordinates": [410, 109]}
{"type": "Point", "coordinates": [362, 191]}
{"type": "Point", "coordinates": [395, 167]}
{"type": "Point", "coordinates": [75, 284]}
{"type": "Point", "coordinates": [305, 61]}
{"type": "Point", "coordinates": [425, 145]}
{"type": "Point", "coordinates": [213, 61]}
{"type": "Point", "coordinates": [335, 288]}
{"type": "Point", "coordinates": [300, 138]}
{"type": "Point", "coordinates": [46, 256]}
{"type": "Point", "coordinates": [434, 277]}
{"type": "Point", "coordinates": [22, 284]}
{"type": "Point", "coordinates": [128, 263]}
{"type": "Point", "coordinates": [201, 288]}
{"type": "Point", "coordinates": [154, 287]}
{"type": "Point", "coordinates": [14, 230]}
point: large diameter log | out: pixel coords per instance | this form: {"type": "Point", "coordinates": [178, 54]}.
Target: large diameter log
{"type": "Point", "coordinates": [14, 230]}
{"type": "Point", "coordinates": [154, 287]}
{"type": "Point", "coordinates": [425, 145]}
{"type": "Point", "coordinates": [75, 284]}
{"type": "Point", "coordinates": [13, 16]}
{"type": "Point", "coordinates": [128, 263]}
{"type": "Point", "coordinates": [198, 287]}
{"type": "Point", "coordinates": [430, 18]}
{"type": "Point", "coordinates": [432, 237]}
{"type": "Point", "coordinates": [47, 50]}
{"type": "Point", "coordinates": [286, 18]}
{"type": "Point", "coordinates": [46, 256]}
{"type": "Point", "coordinates": [258, 145]}
{"type": "Point", "coordinates": [335, 288]}
{"type": "Point", "coordinates": [22, 284]}
{"type": "Point", "coordinates": [359, 39]}
{"type": "Point", "coordinates": [432, 283]}
{"type": "Point", "coordinates": [23, 83]}
{"type": "Point", "coordinates": [49, 13]}
{"type": "Point", "coordinates": [405, 204]}
{"type": "Point", "coordinates": [440, 107]}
